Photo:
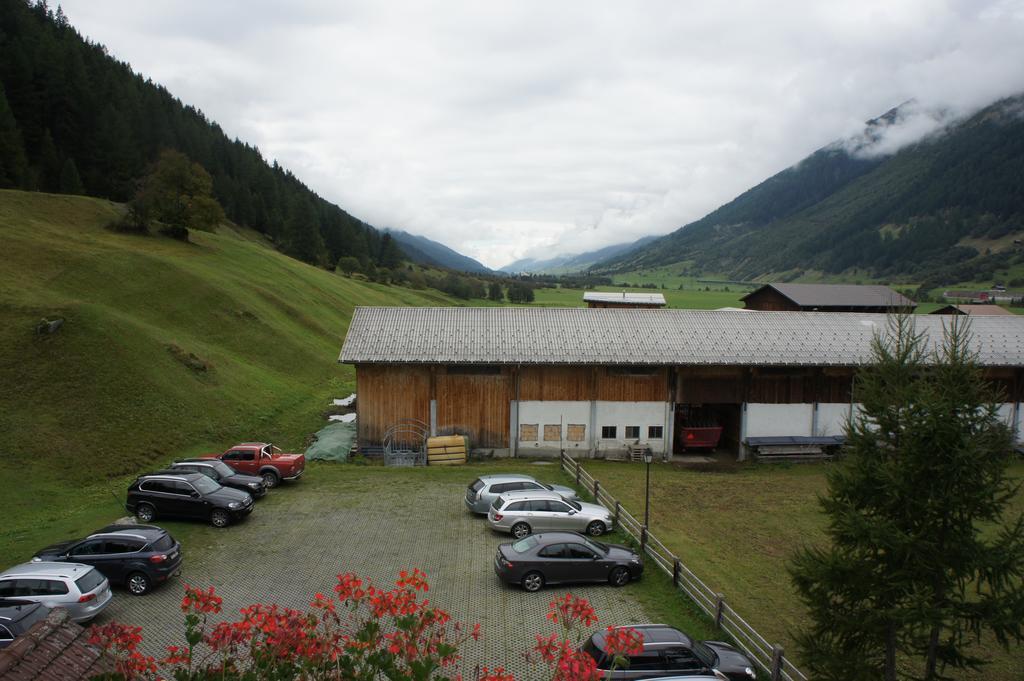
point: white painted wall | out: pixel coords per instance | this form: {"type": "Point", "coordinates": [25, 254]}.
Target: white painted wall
{"type": "Point", "coordinates": [622, 414]}
{"type": "Point", "coordinates": [832, 417]}
{"type": "Point", "coordinates": [549, 413]}
{"type": "Point", "coordinates": [774, 420]}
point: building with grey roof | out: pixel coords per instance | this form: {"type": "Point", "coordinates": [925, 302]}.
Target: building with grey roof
{"type": "Point", "coordinates": [623, 299]}
{"type": "Point", "coordinates": [826, 298]}
{"type": "Point", "coordinates": [592, 381]}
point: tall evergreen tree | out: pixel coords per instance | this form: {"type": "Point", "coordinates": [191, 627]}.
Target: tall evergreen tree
{"type": "Point", "coordinates": [912, 578]}
{"type": "Point", "coordinates": [13, 164]}
{"type": "Point", "coordinates": [70, 182]}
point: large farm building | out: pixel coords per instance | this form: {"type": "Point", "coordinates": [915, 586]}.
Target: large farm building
{"type": "Point", "coordinates": [523, 381]}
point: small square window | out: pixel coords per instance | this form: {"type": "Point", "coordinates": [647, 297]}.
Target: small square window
{"type": "Point", "coordinates": [632, 432]}
{"type": "Point", "coordinates": [577, 432]}
{"type": "Point", "coordinates": [609, 432]}
{"type": "Point", "coordinates": [654, 432]}
{"type": "Point", "coordinates": [552, 432]}
{"type": "Point", "coordinates": [528, 432]}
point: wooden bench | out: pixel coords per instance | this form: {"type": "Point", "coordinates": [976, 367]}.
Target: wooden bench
{"type": "Point", "coordinates": [794, 447]}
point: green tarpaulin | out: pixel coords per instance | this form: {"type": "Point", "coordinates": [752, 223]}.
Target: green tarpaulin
{"type": "Point", "coordinates": [333, 442]}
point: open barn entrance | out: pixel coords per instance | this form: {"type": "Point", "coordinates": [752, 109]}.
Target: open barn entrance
{"type": "Point", "coordinates": [706, 428]}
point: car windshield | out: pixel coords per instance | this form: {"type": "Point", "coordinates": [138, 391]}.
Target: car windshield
{"type": "Point", "coordinates": [477, 484]}
{"type": "Point", "coordinates": [597, 546]}
{"type": "Point", "coordinates": [706, 654]}
{"type": "Point", "coordinates": [591, 649]}
{"type": "Point", "coordinates": [496, 504]}
{"type": "Point", "coordinates": [547, 487]}
{"type": "Point", "coordinates": [223, 470]}
{"type": "Point", "coordinates": [524, 545]}
{"type": "Point", "coordinates": [205, 485]}
{"type": "Point", "coordinates": [89, 581]}
{"type": "Point", "coordinates": [574, 504]}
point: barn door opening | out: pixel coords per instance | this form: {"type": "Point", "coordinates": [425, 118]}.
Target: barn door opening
{"type": "Point", "coordinates": [706, 428]}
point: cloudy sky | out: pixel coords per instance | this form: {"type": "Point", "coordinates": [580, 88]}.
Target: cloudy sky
{"type": "Point", "coordinates": [527, 128]}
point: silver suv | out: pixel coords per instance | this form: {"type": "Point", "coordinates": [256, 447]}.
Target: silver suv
{"type": "Point", "coordinates": [82, 589]}
{"type": "Point", "coordinates": [482, 492]}
{"type": "Point", "coordinates": [521, 513]}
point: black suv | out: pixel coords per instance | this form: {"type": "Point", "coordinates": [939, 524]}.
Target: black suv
{"type": "Point", "coordinates": [137, 556]}
{"type": "Point", "coordinates": [17, 617]}
{"type": "Point", "coordinates": [217, 470]}
{"type": "Point", "coordinates": [669, 652]}
{"type": "Point", "coordinates": [186, 495]}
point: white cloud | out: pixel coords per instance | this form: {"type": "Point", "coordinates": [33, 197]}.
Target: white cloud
{"type": "Point", "coordinates": [537, 128]}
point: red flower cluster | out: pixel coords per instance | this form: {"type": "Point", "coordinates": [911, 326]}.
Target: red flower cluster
{"type": "Point", "coordinates": [571, 611]}
{"type": "Point", "coordinates": [496, 674]}
{"type": "Point", "coordinates": [623, 641]}
{"type": "Point", "coordinates": [199, 601]}
{"type": "Point", "coordinates": [121, 643]}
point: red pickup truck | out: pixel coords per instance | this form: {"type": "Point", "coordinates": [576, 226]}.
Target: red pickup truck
{"type": "Point", "coordinates": [265, 460]}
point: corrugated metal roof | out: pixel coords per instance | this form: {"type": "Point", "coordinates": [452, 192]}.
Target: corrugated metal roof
{"type": "Point", "coordinates": [612, 297]}
{"type": "Point", "coordinates": [840, 295]}
{"type": "Point", "coordinates": [520, 335]}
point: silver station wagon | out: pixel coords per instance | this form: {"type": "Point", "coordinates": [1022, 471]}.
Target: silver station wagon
{"type": "Point", "coordinates": [482, 492]}
{"type": "Point", "coordinates": [80, 588]}
{"type": "Point", "coordinates": [522, 513]}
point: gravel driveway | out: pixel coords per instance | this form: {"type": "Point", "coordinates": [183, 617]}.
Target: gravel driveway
{"type": "Point", "coordinates": [303, 534]}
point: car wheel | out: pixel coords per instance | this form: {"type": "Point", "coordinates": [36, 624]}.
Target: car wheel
{"type": "Point", "coordinates": [533, 581]}
{"type": "Point", "coordinates": [137, 583]}
{"type": "Point", "coordinates": [220, 518]}
{"type": "Point", "coordinates": [596, 528]}
{"type": "Point", "coordinates": [270, 479]}
{"type": "Point", "coordinates": [619, 577]}
{"type": "Point", "coordinates": [520, 530]}
{"type": "Point", "coordinates": [145, 512]}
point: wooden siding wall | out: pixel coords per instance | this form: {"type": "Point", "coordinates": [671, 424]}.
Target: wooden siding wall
{"type": "Point", "coordinates": [555, 383]}
{"type": "Point", "coordinates": [476, 405]}
{"type": "Point", "coordinates": [613, 386]}
{"type": "Point", "coordinates": [388, 394]}
{"type": "Point", "coordinates": [769, 300]}
{"type": "Point", "coordinates": [733, 385]}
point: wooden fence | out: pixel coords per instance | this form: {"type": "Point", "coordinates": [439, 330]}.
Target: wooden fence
{"type": "Point", "coordinates": [767, 656]}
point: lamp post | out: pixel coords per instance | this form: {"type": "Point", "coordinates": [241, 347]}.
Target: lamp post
{"type": "Point", "coordinates": [648, 457]}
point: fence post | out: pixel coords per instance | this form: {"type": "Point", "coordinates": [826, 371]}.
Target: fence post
{"type": "Point", "coordinates": [578, 473]}
{"type": "Point", "coordinates": [597, 490]}
{"type": "Point", "coordinates": [643, 539]}
{"type": "Point", "coordinates": [777, 653]}
{"type": "Point", "coordinates": [677, 571]}
{"type": "Point", "coordinates": [618, 509]}
{"type": "Point", "coordinates": [719, 607]}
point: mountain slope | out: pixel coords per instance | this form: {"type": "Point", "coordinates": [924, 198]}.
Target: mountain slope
{"type": "Point", "coordinates": [426, 251]}
{"type": "Point", "coordinates": [937, 211]}
{"type": "Point", "coordinates": [578, 262]}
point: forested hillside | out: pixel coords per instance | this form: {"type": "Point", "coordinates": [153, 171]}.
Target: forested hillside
{"type": "Point", "coordinates": [944, 210]}
{"type": "Point", "coordinates": [74, 120]}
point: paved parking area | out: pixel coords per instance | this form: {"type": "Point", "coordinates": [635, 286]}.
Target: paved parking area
{"type": "Point", "coordinates": [304, 534]}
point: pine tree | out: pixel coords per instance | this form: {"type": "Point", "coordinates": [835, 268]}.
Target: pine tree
{"type": "Point", "coordinates": [911, 578]}
{"type": "Point", "coordinates": [70, 182]}
{"type": "Point", "coordinates": [494, 291]}
{"type": "Point", "coordinates": [13, 165]}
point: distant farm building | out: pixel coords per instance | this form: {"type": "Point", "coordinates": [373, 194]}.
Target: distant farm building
{"type": "Point", "coordinates": [642, 300]}
{"type": "Point", "coordinates": [973, 309]}
{"type": "Point", "coordinates": [592, 382]}
{"type": "Point", "coordinates": [826, 298]}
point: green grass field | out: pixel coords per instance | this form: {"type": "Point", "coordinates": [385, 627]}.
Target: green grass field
{"type": "Point", "coordinates": [736, 528]}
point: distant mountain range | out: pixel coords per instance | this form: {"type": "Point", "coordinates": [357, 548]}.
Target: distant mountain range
{"type": "Point", "coordinates": [579, 262]}
{"type": "Point", "coordinates": [426, 251]}
{"type": "Point", "coordinates": [944, 209]}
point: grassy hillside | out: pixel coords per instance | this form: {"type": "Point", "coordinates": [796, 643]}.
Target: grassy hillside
{"type": "Point", "coordinates": [113, 391]}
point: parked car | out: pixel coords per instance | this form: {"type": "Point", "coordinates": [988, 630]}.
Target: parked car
{"type": "Point", "coordinates": [556, 557]}
{"type": "Point", "coordinates": [524, 512]}
{"type": "Point", "coordinates": [137, 556]}
{"type": "Point", "coordinates": [482, 492]}
{"type": "Point", "coordinates": [17, 616]}
{"type": "Point", "coordinates": [82, 589]}
{"type": "Point", "coordinates": [220, 472]}
{"type": "Point", "coordinates": [186, 495]}
{"type": "Point", "coordinates": [265, 460]}
{"type": "Point", "coordinates": [670, 652]}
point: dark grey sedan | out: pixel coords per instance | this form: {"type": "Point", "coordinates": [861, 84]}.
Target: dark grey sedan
{"type": "Point", "coordinates": [556, 557]}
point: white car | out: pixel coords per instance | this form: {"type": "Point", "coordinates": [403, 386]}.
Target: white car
{"type": "Point", "coordinates": [523, 513]}
{"type": "Point", "coordinates": [79, 588]}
